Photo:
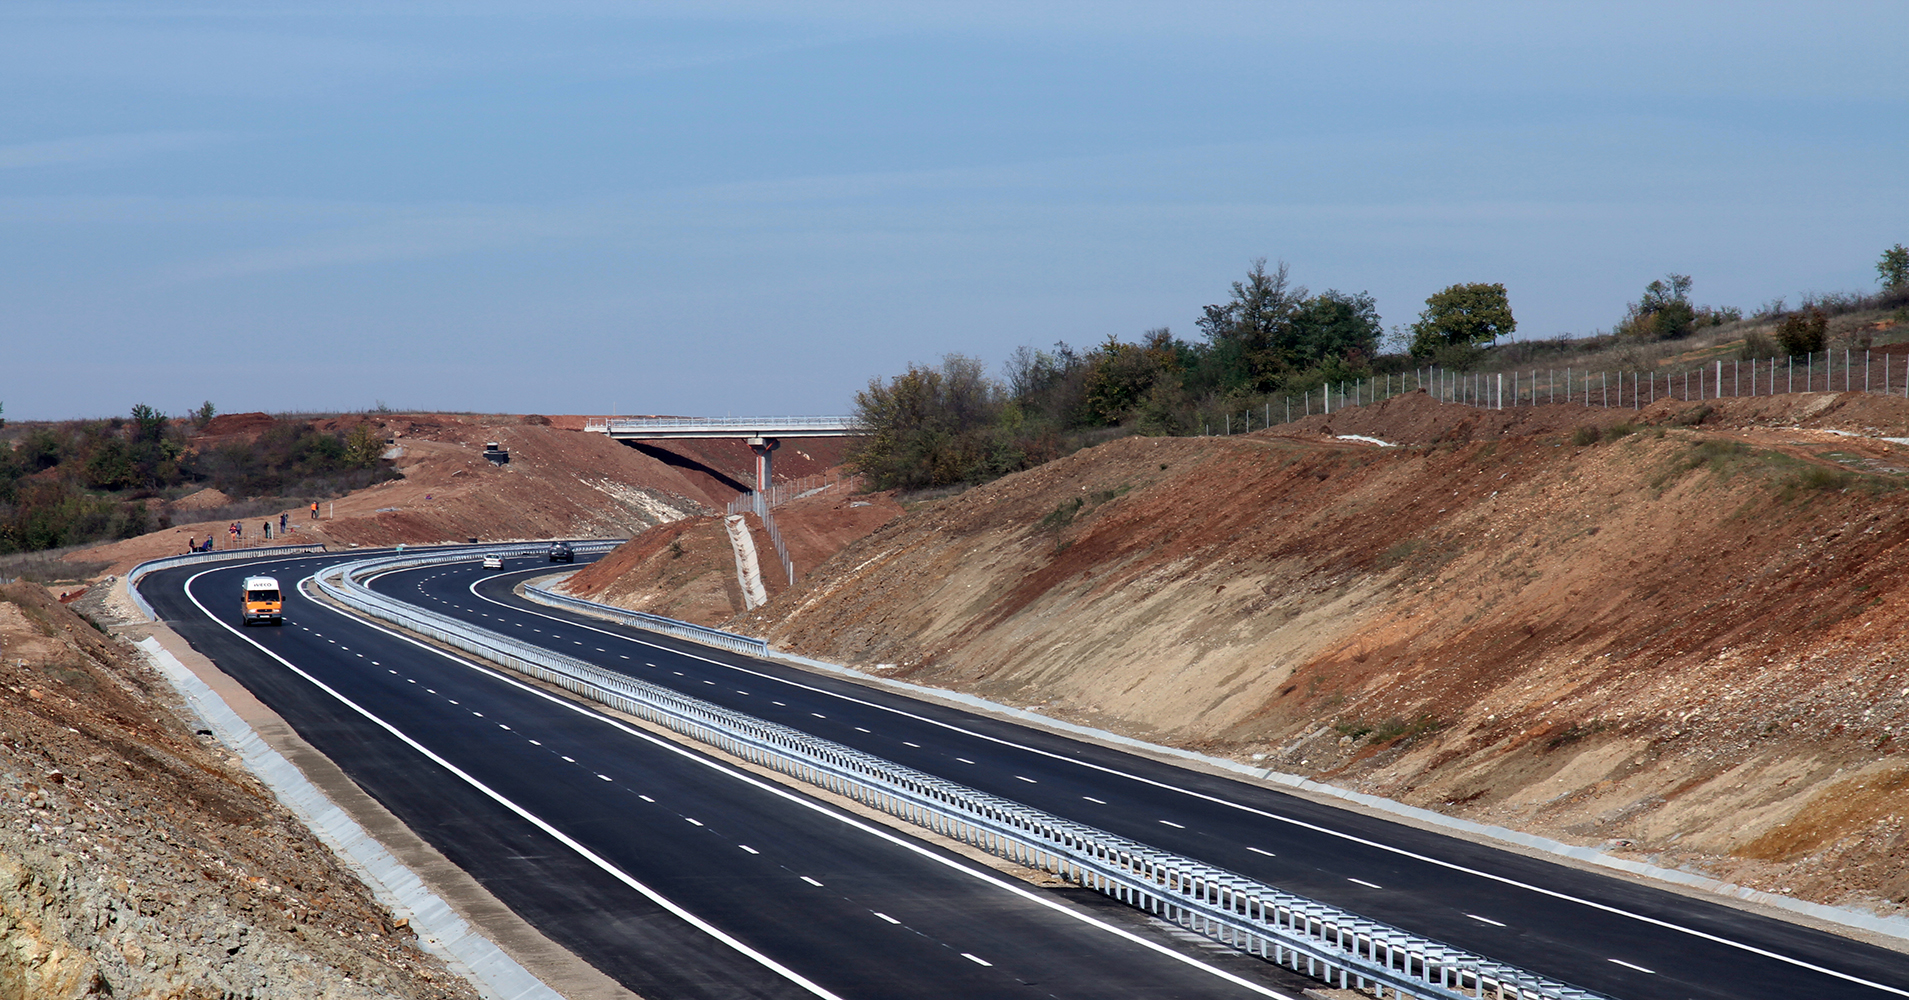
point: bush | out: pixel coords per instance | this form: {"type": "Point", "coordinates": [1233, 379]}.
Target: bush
{"type": "Point", "coordinates": [1803, 332]}
{"type": "Point", "coordinates": [1585, 436]}
{"type": "Point", "coordinates": [1757, 346]}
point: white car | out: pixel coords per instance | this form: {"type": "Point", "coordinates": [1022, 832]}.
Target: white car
{"type": "Point", "coordinates": [493, 562]}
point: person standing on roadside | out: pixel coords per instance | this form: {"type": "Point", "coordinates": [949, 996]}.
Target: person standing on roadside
{"type": "Point", "coordinates": [282, 517]}
{"type": "Point", "coordinates": [268, 531]}
{"type": "Point", "coordinates": [314, 510]}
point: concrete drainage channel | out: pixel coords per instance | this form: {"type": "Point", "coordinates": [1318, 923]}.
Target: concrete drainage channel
{"type": "Point", "coordinates": [1340, 948]}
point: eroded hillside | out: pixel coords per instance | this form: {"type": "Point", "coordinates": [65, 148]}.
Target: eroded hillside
{"type": "Point", "coordinates": [1676, 639]}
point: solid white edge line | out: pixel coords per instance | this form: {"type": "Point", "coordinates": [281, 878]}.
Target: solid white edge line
{"type": "Point", "coordinates": [1254, 810]}
{"type": "Point", "coordinates": [847, 819]}
{"type": "Point", "coordinates": [529, 817]}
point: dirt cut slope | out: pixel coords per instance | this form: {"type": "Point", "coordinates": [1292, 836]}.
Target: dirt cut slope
{"type": "Point", "coordinates": [1670, 632]}
{"type": "Point", "coordinates": [140, 860]}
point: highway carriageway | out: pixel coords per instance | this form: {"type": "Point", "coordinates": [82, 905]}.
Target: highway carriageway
{"type": "Point", "coordinates": [1603, 933]}
{"type": "Point", "coordinates": [675, 873]}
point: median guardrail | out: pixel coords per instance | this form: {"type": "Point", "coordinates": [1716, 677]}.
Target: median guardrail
{"type": "Point", "coordinates": [655, 623]}
{"type": "Point", "coordinates": [1327, 943]}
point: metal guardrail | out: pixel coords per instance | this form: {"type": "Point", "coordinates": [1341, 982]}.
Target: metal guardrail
{"type": "Point", "coordinates": [216, 555]}
{"type": "Point", "coordinates": [680, 425]}
{"type": "Point", "coordinates": [655, 623]}
{"type": "Point", "coordinates": [1327, 943]}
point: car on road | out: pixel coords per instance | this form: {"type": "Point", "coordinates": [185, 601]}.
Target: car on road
{"type": "Point", "coordinates": [560, 552]}
{"type": "Point", "coordinates": [493, 562]}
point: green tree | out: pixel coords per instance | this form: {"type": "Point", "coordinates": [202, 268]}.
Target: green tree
{"type": "Point", "coordinates": [1250, 337]}
{"type": "Point", "coordinates": [204, 414]}
{"type": "Point", "coordinates": [1663, 313]}
{"type": "Point", "coordinates": [363, 447]}
{"type": "Point", "coordinates": [1333, 324]}
{"type": "Point", "coordinates": [931, 427]}
{"type": "Point", "coordinates": [1803, 332]}
{"type": "Point", "coordinates": [1463, 314]}
{"type": "Point", "coordinates": [1120, 375]}
{"type": "Point", "coordinates": [1893, 269]}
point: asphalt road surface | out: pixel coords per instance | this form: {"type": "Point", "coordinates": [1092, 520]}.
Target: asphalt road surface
{"type": "Point", "coordinates": [1602, 933]}
{"type": "Point", "coordinates": [675, 873]}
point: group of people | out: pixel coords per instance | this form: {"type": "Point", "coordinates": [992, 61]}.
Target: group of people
{"type": "Point", "coordinates": [237, 531]}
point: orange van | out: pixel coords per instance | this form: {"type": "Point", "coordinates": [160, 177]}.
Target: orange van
{"type": "Point", "coordinates": [262, 601]}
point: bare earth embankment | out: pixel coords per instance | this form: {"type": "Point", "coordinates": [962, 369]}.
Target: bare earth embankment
{"type": "Point", "coordinates": [1678, 641]}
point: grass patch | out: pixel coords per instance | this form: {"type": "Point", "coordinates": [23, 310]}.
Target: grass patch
{"type": "Point", "coordinates": [1392, 730]}
{"type": "Point", "coordinates": [1584, 437]}
{"type": "Point", "coordinates": [1063, 515]}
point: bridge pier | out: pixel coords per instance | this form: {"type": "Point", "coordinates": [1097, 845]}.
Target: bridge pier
{"type": "Point", "coordinates": [764, 447]}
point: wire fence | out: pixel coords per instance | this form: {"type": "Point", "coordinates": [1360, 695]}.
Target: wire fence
{"type": "Point", "coordinates": [1848, 370]}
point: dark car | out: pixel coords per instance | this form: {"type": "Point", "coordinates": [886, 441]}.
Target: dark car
{"type": "Point", "coordinates": [560, 552]}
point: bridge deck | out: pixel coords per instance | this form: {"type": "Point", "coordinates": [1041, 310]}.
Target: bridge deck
{"type": "Point", "coordinates": [655, 428]}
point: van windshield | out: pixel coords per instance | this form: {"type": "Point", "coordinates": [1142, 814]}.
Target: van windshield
{"type": "Point", "coordinates": [261, 595]}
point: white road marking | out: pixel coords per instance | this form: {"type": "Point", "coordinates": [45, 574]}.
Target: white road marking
{"type": "Point", "coordinates": [646, 798]}
{"type": "Point", "coordinates": [410, 680]}
{"type": "Point", "coordinates": [1030, 781]}
{"type": "Point", "coordinates": [818, 715]}
{"type": "Point", "coordinates": [1090, 798]}
{"type": "Point", "coordinates": [390, 671]}
{"type": "Point", "coordinates": [811, 881]}
{"type": "Point", "coordinates": [1627, 965]}
{"type": "Point", "coordinates": [1176, 826]}
{"type": "Point", "coordinates": [607, 778]}
{"type": "Point", "coordinates": [536, 743]}
{"type": "Point", "coordinates": [746, 847]}
{"type": "Point", "coordinates": [1363, 882]}
{"type": "Point", "coordinates": [572, 760]}
{"type": "Point", "coordinates": [694, 822]}
{"type": "Point", "coordinates": [478, 714]}
{"type": "Point", "coordinates": [964, 760]}
{"type": "Point", "coordinates": [772, 702]}
{"type": "Point", "coordinates": [502, 726]}
{"type": "Point", "coordinates": [1256, 850]}
{"type": "Point", "coordinates": [908, 744]}
{"type": "Point", "coordinates": [885, 916]}
{"type": "Point", "coordinates": [451, 700]}
{"type": "Point", "coordinates": [861, 730]}
{"type": "Point", "coordinates": [977, 961]}
{"type": "Point", "coordinates": [1484, 920]}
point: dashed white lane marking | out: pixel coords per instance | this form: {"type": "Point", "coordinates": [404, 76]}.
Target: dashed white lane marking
{"type": "Point", "coordinates": [409, 680]}
{"type": "Point", "coordinates": [1363, 882]}
{"type": "Point", "coordinates": [908, 744]}
{"type": "Point", "coordinates": [818, 885]}
{"type": "Point", "coordinates": [746, 847]}
{"type": "Point", "coordinates": [1484, 920]}
{"type": "Point", "coordinates": [861, 730]}
{"type": "Point", "coordinates": [600, 649]}
{"type": "Point", "coordinates": [502, 726]}
{"type": "Point", "coordinates": [389, 671]}
{"type": "Point", "coordinates": [572, 760]}
{"type": "Point", "coordinates": [783, 704]}
{"type": "Point", "coordinates": [1627, 965]}
{"type": "Point", "coordinates": [648, 664]}
{"type": "Point", "coordinates": [1269, 854]}
{"type": "Point", "coordinates": [709, 682]}
{"type": "Point", "coordinates": [964, 760]}
{"type": "Point", "coordinates": [977, 961]}
{"type": "Point", "coordinates": [818, 715]}
{"type": "Point", "coordinates": [742, 692]}
{"type": "Point", "coordinates": [678, 673]}
{"type": "Point", "coordinates": [885, 916]}
{"type": "Point", "coordinates": [451, 700]}
{"type": "Point", "coordinates": [430, 690]}
{"type": "Point", "coordinates": [646, 798]}
{"type": "Point", "coordinates": [625, 657]}
{"type": "Point", "coordinates": [1090, 798]}
{"type": "Point", "coordinates": [1030, 781]}
{"type": "Point", "coordinates": [536, 743]}
{"type": "Point", "coordinates": [1176, 826]}
{"type": "Point", "coordinates": [693, 821]}
{"type": "Point", "coordinates": [478, 714]}
{"type": "Point", "coordinates": [607, 778]}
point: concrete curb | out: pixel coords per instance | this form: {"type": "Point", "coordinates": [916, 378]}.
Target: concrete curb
{"type": "Point", "coordinates": [440, 930]}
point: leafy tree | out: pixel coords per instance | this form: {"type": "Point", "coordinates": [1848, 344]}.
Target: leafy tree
{"type": "Point", "coordinates": [1333, 324]}
{"type": "Point", "coordinates": [363, 447]}
{"type": "Point", "coordinates": [1463, 314]}
{"type": "Point", "coordinates": [204, 414]}
{"type": "Point", "coordinates": [931, 427]}
{"type": "Point", "coordinates": [1121, 375]}
{"type": "Point", "coordinates": [1803, 332]}
{"type": "Point", "coordinates": [1893, 269]}
{"type": "Point", "coordinates": [1663, 313]}
{"type": "Point", "coordinates": [1250, 337]}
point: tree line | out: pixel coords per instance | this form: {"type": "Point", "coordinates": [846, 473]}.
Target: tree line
{"type": "Point", "coordinates": [936, 425]}
{"type": "Point", "coordinates": [74, 482]}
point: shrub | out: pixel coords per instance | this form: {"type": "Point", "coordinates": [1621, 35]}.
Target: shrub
{"type": "Point", "coordinates": [1757, 346]}
{"type": "Point", "coordinates": [1803, 332]}
{"type": "Point", "coordinates": [1585, 436]}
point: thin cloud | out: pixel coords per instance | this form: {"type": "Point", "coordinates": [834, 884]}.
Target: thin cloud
{"type": "Point", "coordinates": [97, 149]}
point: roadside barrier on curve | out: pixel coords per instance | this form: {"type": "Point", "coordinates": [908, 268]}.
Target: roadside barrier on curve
{"type": "Point", "coordinates": [656, 623]}
{"type": "Point", "coordinates": [1327, 943]}
{"type": "Point", "coordinates": [216, 555]}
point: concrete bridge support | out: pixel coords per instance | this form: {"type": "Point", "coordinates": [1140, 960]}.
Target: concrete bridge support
{"type": "Point", "coordinates": [764, 447]}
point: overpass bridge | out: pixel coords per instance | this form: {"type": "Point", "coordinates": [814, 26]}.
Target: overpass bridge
{"type": "Point", "coordinates": [763, 434]}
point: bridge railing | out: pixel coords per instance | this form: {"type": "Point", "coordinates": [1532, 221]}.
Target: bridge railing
{"type": "Point", "coordinates": [1322, 941]}
{"type": "Point", "coordinates": [626, 425]}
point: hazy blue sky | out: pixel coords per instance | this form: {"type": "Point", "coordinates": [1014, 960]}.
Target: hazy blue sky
{"type": "Point", "coordinates": [755, 208]}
